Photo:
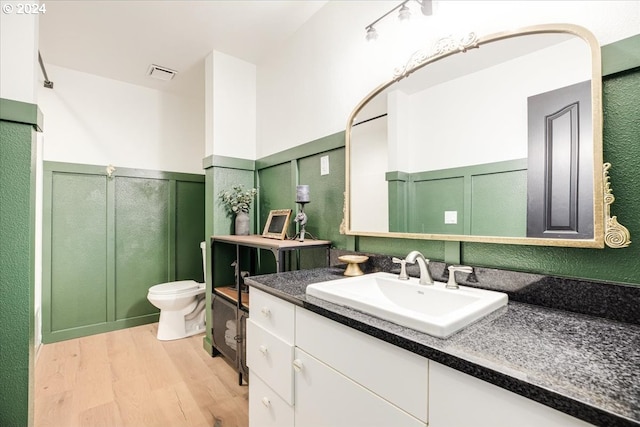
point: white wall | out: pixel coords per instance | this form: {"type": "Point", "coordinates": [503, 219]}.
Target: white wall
{"type": "Point", "coordinates": [369, 188]}
{"type": "Point", "coordinates": [307, 89]}
{"type": "Point", "coordinates": [451, 117]}
{"type": "Point", "coordinates": [18, 52]}
{"type": "Point", "coordinates": [93, 120]}
{"type": "Point", "coordinates": [230, 106]}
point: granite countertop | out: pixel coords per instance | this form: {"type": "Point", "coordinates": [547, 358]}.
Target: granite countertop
{"type": "Point", "coordinates": [583, 365]}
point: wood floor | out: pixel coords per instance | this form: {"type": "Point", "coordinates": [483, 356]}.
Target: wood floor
{"type": "Point", "coordinates": [129, 378]}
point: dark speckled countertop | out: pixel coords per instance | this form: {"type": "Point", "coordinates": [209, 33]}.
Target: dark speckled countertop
{"type": "Point", "coordinates": [580, 364]}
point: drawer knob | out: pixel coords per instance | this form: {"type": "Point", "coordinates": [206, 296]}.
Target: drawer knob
{"type": "Point", "coordinates": [266, 312]}
{"type": "Point", "coordinates": [297, 365]}
{"type": "Point", "coordinates": [263, 350]}
{"type": "Point", "coordinates": [266, 402]}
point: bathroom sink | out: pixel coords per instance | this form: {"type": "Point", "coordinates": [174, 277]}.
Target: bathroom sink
{"type": "Point", "coordinates": [431, 309]}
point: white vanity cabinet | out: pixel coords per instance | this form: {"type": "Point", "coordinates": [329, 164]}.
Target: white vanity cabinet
{"type": "Point", "coordinates": [307, 370]}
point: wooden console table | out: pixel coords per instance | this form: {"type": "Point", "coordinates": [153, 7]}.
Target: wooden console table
{"type": "Point", "coordinates": [233, 304]}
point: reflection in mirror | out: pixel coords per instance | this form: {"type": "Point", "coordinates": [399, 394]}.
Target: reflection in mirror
{"type": "Point", "coordinates": [501, 142]}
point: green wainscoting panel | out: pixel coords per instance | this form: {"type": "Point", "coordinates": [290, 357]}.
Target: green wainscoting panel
{"type": "Point", "coordinates": [78, 288]}
{"type": "Point", "coordinates": [326, 193]}
{"type": "Point", "coordinates": [277, 191]}
{"type": "Point", "coordinates": [108, 239]}
{"type": "Point", "coordinates": [475, 193]}
{"type": "Point", "coordinates": [142, 243]}
{"type": "Point", "coordinates": [432, 199]}
{"type": "Point", "coordinates": [17, 237]}
{"type": "Point", "coordinates": [189, 229]}
{"type": "Point", "coordinates": [499, 204]}
{"type": "Point", "coordinates": [398, 187]}
{"type": "Point", "coordinates": [278, 176]}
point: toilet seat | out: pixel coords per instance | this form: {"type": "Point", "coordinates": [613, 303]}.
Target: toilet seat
{"type": "Point", "coordinates": [174, 288]}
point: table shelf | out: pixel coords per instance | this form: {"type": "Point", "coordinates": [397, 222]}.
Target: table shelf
{"type": "Point", "coordinates": [235, 296]}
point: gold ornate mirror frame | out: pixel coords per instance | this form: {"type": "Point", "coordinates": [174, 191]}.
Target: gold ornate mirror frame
{"type": "Point", "coordinates": [606, 229]}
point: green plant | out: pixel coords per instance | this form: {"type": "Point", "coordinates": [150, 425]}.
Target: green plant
{"type": "Point", "coordinates": [237, 199]}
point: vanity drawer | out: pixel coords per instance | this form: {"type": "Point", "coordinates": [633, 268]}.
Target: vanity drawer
{"type": "Point", "coordinates": [401, 377]}
{"type": "Point", "coordinates": [266, 408]}
{"type": "Point", "coordinates": [273, 314]}
{"type": "Point", "coordinates": [271, 359]}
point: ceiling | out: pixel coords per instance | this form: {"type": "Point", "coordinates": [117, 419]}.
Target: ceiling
{"type": "Point", "coordinates": [120, 39]}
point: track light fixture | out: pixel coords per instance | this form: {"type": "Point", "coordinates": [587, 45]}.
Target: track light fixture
{"type": "Point", "coordinates": [372, 34]}
{"type": "Point", "coordinates": [404, 14]}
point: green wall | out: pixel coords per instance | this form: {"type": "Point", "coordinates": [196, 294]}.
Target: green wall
{"type": "Point", "coordinates": [17, 240]}
{"type": "Point", "coordinates": [279, 174]}
{"type": "Point", "coordinates": [106, 240]}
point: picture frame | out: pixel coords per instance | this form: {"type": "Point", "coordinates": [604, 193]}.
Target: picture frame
{"type": "Point", "coordinates": [277, 224]}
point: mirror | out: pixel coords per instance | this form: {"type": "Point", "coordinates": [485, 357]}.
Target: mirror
{"type": "Point", "coordinates": [490, 139]}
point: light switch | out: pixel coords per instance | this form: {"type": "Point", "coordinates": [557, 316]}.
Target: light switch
{"type": "Point", "coordinates": [324, 165]}
{"type": "Point", "coordinates": [450, 217]}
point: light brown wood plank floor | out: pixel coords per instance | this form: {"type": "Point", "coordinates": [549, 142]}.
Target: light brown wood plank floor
{"type": "Point", "coordinates": [129, 378]}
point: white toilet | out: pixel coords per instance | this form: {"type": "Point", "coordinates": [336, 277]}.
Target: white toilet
{"type": "Point", "coordinates": [181, 306]}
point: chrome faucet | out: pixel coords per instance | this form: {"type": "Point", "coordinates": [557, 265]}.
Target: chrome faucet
{"type": "Point", "coordinates": [423, 263]}
{"type": "Point", "coordinates": [451, 283]}
{"type": "Point", "coordinates": [403, 268]}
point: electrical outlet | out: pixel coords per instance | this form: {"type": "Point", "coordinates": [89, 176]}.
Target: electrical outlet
{"type": "Point", "coordinates": [450, 217]}
{"type": "Point", "coordinates": [324, 165]}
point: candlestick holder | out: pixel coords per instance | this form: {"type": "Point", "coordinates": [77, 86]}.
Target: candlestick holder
{"type": "Point", "coordinates": [301, 219]}
{"type": "Point", "coordinates": [302, 198]}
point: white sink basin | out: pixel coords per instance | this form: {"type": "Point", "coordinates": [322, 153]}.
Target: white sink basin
{"type": "Point", "coordinates": [431, 309]}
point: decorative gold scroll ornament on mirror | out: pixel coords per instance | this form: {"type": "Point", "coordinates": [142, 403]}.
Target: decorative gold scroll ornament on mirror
{"type": "Point", "coordinates": [616, 235]}
{"type": "Point", "coordinates": [486, 139]}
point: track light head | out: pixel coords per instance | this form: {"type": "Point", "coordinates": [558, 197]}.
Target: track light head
{"type": "Point", "coordinates": [372, 34]}
{"type": "Point", "coordinates": [404, 14]}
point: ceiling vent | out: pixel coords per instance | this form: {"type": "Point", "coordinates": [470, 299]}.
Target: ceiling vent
{"type": "Point", "coordinates": [161, 73]}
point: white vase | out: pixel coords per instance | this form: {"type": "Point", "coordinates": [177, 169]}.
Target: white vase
{"type": "Point", "coordinates": [242, 224]}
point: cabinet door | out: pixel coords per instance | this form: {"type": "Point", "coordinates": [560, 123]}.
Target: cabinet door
{"type": "Point", "coordinates": [224, 328]}
{"type": "Point", "coordinates": [324, 397]}
{"type": "Point", "coordinates": [393, 373]}
{"type": "Point", "coordinates": [457, 399]}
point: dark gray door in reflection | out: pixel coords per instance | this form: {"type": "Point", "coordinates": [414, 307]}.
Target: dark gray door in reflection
{"type": "Point", "coordinates": [560, 165]}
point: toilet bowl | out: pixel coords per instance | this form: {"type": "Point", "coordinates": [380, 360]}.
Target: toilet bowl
{"type": "Point", "coordinates": [181, 305]}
